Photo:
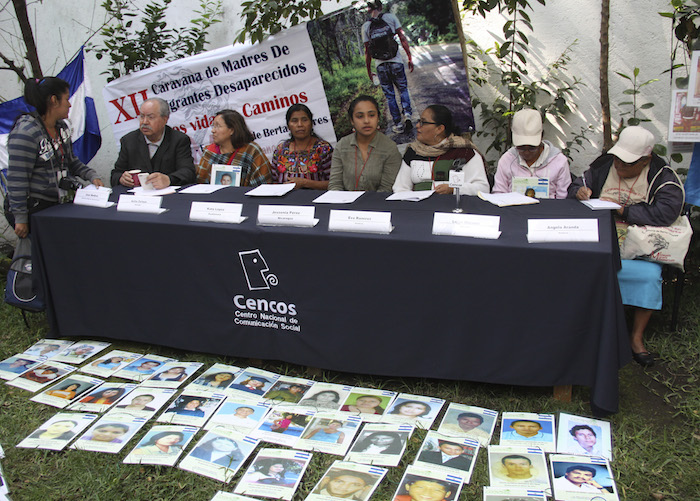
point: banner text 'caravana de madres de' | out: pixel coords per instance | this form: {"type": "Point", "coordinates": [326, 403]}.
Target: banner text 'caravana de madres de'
{"type": "Point", "coordinates": [259, 81]}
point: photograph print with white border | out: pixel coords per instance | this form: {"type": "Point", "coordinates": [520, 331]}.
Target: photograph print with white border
{"type": "Point", "coordinates": [381, 444]}
{"type": "Point", "coordinates": [56, 433]}
{"type": "Point", "coordinates": [417, 409]}
{"type": "Point", "coordinates": [345, 480]}
{"type": "Point", "coordinates": [219, 454]}
{"type": "Point", "coordinates": [162, 444]}
{"type": "Point", "coordinates": [469, 421]}
{"type": "Point", "coordinates": [67, 390]}
{"type": "Point", "coordinates": [103, 397]}
{"type": "Point", "coordinates": [12, 367]}
{"type": "Point", "coordinates": [513, 494]}
{"type": "Point", "coordinates": [143, 401]}
{"type": "Point", "coordinates": [580, 478]}
{"type": "Point", "coordinates": [330, 433]}
{"type": "Point", "coordinates": [81, 351]}
{"type": "Point", "coordinates": [421, 484]}
{"type": "Point", "coordinates": [143, 368]}
{"type": "Point", "coordinates": [517, 466]}
{"type": "Point", "coordinates": [456, 455]}
{"type": "Point", "coordinates": [239, 414]}
{"type": "Point", "coordinates": [109, 364]}
{"type": "Point", "coordinates": [528, 429]}
{"type": "Point", "coordinates": [42, 375]}
{"type": "Point", "coordinates": [192, 408]}
{"type": "Point", "coordinates": [172, 374]}
{"type": "Point", "coordinates": [275, 473]}
{"type": "Point", "coordinates": [584, 436]}
{"type": "Point", "coordinates": [110, 433]}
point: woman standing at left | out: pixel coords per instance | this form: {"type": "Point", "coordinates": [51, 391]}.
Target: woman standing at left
{"type": "Point", "coordinates": [41, 154]}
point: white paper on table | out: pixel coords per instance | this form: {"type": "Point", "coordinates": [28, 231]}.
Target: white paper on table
{"type": "Point", "coordinates": [140, 190]}
{"type": "Point", "coordinates": [202, 189]}
{"type": "Point", "coordinates": [271, 190]}
{"type": "Point", "coordinates": [411, 196]}
{"type": "Point", "coordinates": [338, 197]}
{"type": "Point", "coordinates": [360, 221]}
{"type": "Point", "coordinates": [466, 225]}
{"type": "Point", "coordinates": [562, 230]}
{"type": "Point", "coordinates": [135, 203]}
{"type": "Point", "coordinates": [598, 204]}
{"type": "Point", "coordinates": [287, 215]}
{"type": "Point", "coordinates": [93, 196]}
{"type": "Point", "coordinates": [506, 199]}
{"type": "Point", "coordinates": [216, 212]}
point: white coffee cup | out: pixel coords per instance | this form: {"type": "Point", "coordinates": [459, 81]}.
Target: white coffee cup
{"type": "Point", "coordinates": [142, 179]}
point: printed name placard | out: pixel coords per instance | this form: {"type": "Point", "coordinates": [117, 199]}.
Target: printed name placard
{"type": "Point", "coordinates": [286, 215]}
{"type": "Point", "coordinates": [136, 203]}
{"type": "Point", "coordinates": [93, 197]}
{"type": "Point", "coordinates": [360, 221]}
{"type": "Point", "coordinates": [466, 225]}
{"type": "Point", "coordinates": [456, 179]}
{"type": "Point", "coordinates": [562, 230]}
{"type": "Point", "coordinates": [216, 212]}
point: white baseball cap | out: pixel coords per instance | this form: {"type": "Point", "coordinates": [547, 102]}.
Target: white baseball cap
{"type": "Point", "coordinates": [527, 128]}
{"type": "Point", "coordinates": [634, 143]}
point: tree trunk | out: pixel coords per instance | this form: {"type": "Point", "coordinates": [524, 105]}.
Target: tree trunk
{"type": "Point", "coordinates": [604, 90]}
{"type": "Point", "coordinates": [27, 36]}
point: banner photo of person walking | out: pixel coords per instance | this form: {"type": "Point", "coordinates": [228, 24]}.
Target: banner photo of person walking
{"type": "Point", "coordinates": [259, 81]}
{"type": "Point", "coordinates": [404, 53]}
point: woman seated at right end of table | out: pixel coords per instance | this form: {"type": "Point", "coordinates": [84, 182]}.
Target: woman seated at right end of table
{"type": "Point", "coordinates": [233, 145]}
{"type": "Point", "coordinates": [650, 193]}
{"type": "Point", "coordinates": [305, 158]}
{"type": "Point", "coordinates": [437, 148]}
{"type": "Point", "coordinates": [365, 160]}
{"type": "Point", "coordinates": [532, 157]}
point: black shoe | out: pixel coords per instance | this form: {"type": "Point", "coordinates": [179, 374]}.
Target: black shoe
{"type": "Point", "coordinates": [644, 358]}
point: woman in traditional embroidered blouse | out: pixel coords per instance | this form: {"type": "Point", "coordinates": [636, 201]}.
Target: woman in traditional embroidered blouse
{"type": "Point", "coordinates": [234, 145]}
{"type": "Point", "coordinates": [365, 160]}
{"type": "Point", "coordinates": [437, 148]}
{"type": "Point", "coordinates": [305, 158]}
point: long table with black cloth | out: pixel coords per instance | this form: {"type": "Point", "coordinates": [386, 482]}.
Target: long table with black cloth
{"type": "Point", "coordinates": [404, 304]}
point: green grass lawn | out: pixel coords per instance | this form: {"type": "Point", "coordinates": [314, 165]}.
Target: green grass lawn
{"type": "Point", "coordinates": [656, 436]}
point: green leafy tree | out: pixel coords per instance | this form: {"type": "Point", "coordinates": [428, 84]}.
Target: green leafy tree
{"type": "Point", "coordinates": [130, 49]}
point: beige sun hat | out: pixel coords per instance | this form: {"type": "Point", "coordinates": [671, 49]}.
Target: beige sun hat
{"type": "Point", "coordinates": [634, 143]}
{"type": "Point", "coordinates": [527, 128]}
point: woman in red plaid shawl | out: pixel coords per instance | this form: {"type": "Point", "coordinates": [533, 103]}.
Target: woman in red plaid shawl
{"type": "Point", "coordinates": [234, 145]}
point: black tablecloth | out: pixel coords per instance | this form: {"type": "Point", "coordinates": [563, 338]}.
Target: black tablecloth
{"type": "Point", "coordinates": [404, 304]}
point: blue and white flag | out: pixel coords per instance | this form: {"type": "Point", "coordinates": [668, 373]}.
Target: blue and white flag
{"type": "Point", "coordinates": [82, 116]}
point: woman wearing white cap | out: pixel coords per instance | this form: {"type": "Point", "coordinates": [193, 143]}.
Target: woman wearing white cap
{"type": "Point", "coordinates": [532, 162]}
{"type": "Point", "coordinates": [650, 193]}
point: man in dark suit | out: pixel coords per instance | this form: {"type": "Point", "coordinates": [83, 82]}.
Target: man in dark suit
{"type": "Point", "coordinates": [450, 454]}
{"type": "Point", "coordinates": [155, 148]}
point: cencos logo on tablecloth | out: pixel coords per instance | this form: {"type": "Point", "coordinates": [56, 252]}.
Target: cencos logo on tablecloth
{"type": "Point", "coordinates": [262, 312]}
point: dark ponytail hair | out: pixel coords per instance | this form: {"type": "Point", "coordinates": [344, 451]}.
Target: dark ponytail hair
{"type": "Point", "coordinates": [443, 116]}
{"type": "Point", "coordinates": [38, 92]}
{"type": "Point", "coordinates": [359, 99]}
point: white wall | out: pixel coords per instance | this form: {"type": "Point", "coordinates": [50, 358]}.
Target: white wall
{"type": "Point", "coordinates": [638, 37]}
